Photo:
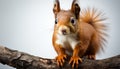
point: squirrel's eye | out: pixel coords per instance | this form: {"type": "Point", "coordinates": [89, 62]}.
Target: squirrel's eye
{"type": "Point", "coordinates": [56, 21]}
{"type": "Point", "coordinates": [72, 20]}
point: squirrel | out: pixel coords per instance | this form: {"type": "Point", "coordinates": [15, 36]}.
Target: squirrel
{"type": "Point", "coordinates": [77, 34]}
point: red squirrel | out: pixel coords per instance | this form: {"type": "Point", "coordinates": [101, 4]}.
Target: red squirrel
{"type": "Point", "coordinates": [77, 34]}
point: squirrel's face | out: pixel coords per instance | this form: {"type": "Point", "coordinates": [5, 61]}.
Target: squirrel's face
{"type": "Point", "coordinates": [65, 23]}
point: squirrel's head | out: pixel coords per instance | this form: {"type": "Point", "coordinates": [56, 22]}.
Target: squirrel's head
{"type": "Point", "coordinates": [66, 20]}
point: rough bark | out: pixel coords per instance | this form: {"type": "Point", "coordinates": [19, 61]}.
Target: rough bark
{"type": "Point", "coordinates": [21, 60]}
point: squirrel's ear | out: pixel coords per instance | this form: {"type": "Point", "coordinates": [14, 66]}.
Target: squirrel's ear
{"type": "Point", "coordinates": [56, 7]}
{"type": "Point", "coordinates": [75, 9]}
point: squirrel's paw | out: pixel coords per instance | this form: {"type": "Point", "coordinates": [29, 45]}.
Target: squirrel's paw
{"type": "Point", "coordinates": [75, 60]}
{"type": "Point", "coordinates": [91, 57]}
{"type": "Point", "coordinates": [61, 59]}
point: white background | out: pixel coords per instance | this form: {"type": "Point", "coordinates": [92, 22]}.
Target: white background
{"type": "Point", "coordinates": [27, 25]}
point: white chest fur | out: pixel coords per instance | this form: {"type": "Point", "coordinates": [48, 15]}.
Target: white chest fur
{"type": "Point", "coordinates": [71, 39]}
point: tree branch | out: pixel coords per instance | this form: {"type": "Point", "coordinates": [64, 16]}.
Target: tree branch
{"type": "Point", "coordinates": [21, 60]}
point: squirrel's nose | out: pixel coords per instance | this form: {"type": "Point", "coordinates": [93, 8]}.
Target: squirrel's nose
{"type": "Point", "coordinates": [64, 32]}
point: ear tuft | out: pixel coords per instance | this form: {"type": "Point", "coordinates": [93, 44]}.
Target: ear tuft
{"type": "Point", "coordinates": [75, 9]}
{"type": "Point", "coordinates": [56, 7]}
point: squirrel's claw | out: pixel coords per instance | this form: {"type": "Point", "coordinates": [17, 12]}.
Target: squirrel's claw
{"type": "Point", "coordinates": [75, 61]}
{"type": "Point", "coordinates": [61, 59]}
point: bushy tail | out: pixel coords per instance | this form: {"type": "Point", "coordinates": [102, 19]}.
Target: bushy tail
{"type": "Point", "coordinates": [96, 19]}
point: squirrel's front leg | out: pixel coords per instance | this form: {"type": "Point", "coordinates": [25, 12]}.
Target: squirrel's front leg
{"type": "Point", "coordinates": [61, 55]}
{"type": "Point", "coordinates": [75, 59]}
{"type": "Point", "coordinates": [78, 51]}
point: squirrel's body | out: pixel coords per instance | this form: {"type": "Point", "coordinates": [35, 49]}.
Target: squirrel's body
{"type": "Point", "coordinates": [77, 35]}
{"type": "Point", "coordinates": [83, 35]}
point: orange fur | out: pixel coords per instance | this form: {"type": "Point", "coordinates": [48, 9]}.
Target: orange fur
{"type": "Point", "coordinates": [75, 35]}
